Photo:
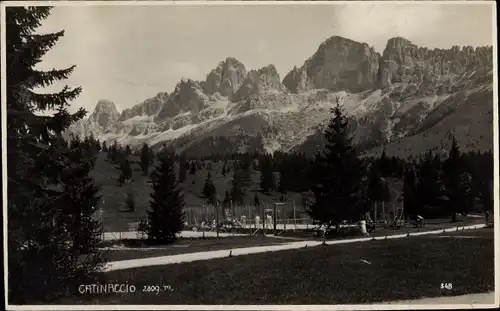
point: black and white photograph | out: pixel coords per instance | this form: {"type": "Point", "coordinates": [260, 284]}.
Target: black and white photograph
{"type": "Point", "coordinates": [257, 155]}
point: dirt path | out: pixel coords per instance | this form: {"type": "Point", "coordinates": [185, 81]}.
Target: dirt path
{"type": "Point", "coordinates": [165, 260]}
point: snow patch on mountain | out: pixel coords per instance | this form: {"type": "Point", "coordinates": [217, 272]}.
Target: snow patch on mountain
{"type": "Point", "coordinates": [388, 97]}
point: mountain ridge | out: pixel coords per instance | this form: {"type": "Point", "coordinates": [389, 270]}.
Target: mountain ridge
{"type": "Point", "coordinates": [390, 96]}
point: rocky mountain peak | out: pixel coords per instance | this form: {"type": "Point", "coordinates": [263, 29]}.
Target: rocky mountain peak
{"type": "Point", "coordinates": [149, 107]}
{"type": "Point", "coordinates": [404, 62]}
{"type": "Point", "coordinates": [266, 79]}
{"type": "Point", "coordinates": [226, 78]}
{"type": "Point", "coordinates": [338, 64]}
{"type": "Point", "coordinates": [188, 96]}
{"type": "Point", "coordinates": [105, 113]}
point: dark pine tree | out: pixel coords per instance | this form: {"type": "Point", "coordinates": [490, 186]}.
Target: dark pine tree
{"type": "Point", "coordinates": [82, 200]}
{"type": "Point", "coordinates": [128, 151]}
{"type": "Point", "coordinates": [192, 169]}
{"type": "Point", "coordinates": [166, 217]}
{"type": "Point", "coordinates": [183, 167]}
{"type": "Point", "coordinates": [104, 147]}
{"type": "Point", "coordinates": [375, 186]}
{"type": "Point", "coordinates": [410, 197]}
{"type": "Point", "coordinates": [44, 180]}
{"type": "Point", "coordinates": [238, 183]}
{"type": "Point", "coordinates": [339, 183]}
{"type": "Point", "coordinates": [457, 183]}
{"type": "Point", "coordinates": [125, 172]}
{"type": "Point", "coordinates": [209, 190]}
{"type": "Point", "coordinates": [429, 183]}
{"type": "Point", "coordinates": [384, 165]}
{"type": "Point", "coordinates": [284, 183]}
{"type": "Point", "coordinates": [226, 203]}
{"type": "Point", "coordinates": [152, 155]}
{"type": "Point", "coordinates": [109, 155]}
{"type": "Point", "coordinates": [266, 175]}
{"type": "Point", "coordinates": [144, 159]}
{"type": "Point", "coordinates": [130, 201]}
{"type": "Point", "coordinates": [114, 150]}
{"type": "Point", "coordinates": [256, 200]}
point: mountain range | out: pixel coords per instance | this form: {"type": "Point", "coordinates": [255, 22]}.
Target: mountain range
{"type": "Point", "coordinates": [405, 100]}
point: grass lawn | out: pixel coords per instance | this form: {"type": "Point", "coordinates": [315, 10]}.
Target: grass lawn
{"type": "Point", "coordinates": [400, 269]}
{"type": "Point", "coordinates": [184, 246]}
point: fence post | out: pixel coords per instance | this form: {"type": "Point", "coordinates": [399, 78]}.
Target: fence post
{"type": "Point", "coordinates": [294, 217]}
{"type": "Point", "coordinates": [217, 217]}
{"type": "Point", "coordinates": [264, 220]}
{"type": "Point", "coordinates": [284, 221]}
{"type": "Point", "coordinates": [275, 221]}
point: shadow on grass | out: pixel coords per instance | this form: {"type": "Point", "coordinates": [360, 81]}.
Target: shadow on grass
{"type": "Point", "coordinates": [358, 273]}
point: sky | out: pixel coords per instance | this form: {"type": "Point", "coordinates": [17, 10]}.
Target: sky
{"type": "Point", "coordinates": [130, 53]}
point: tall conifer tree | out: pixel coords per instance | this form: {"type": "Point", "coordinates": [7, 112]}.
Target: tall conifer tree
{"type": "Point", "coordinates": [166, 217]}
{"type": "Point", "coordinates": [339, 183]}
{"type": "Point", "coordinates": [49, 191]}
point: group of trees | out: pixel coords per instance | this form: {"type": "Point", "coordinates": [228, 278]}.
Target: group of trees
{"type": "Point", "coordinates": [442, 187]}
{"type": "Point", "coordinates": [53, 234]}
{"type": "Point", "coordinates": [344, 185]}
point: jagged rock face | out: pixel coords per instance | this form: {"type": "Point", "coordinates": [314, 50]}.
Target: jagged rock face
{"type": "Point", "coordinates": [407, 92]}
{"type": "Point", "coordinates": [105, 113]}
{"type": "Point", "coordinates": [226, 78]}
{"type": "Point", "coordinates": [404, 62]}
{"type": "Point", "coordinates": [188, 96]}
{"type": "Point", "coordinates": [264, 80]}
{"type": "Point", "coordinates": [149, 107]}
{"type": "Point", "coordinates": [339, 64]}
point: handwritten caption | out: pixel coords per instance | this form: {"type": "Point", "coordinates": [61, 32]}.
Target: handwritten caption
{"type": "Point", "coordinates": [123, 288]}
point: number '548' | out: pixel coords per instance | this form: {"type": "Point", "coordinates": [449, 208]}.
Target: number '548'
{"type": "Point", "coordinates": [447, 286]}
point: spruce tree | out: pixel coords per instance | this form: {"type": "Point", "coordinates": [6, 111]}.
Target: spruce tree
{"type": "Point", "coordinates": [128, 151]}
{"type": "Point", "coordinates": [237, 192]}
{"type": "Point", "coordinates": [209, 190]}
{"type": "Point", "coordinates": [456, 181]}
{"type": "Point", "coordinates": [375, 186]}
{"type": "Point", "coordinates": [266, 175]}
{"type": "Point", "coordinates": [284, 182]}
{"type": "Point", "coordinates": [114, 151]}
{"type": "Point", "coordinates": [226, 203]}
{"type": "Point", "coordinates": [125, 171]}
{"type": "Point", "coordinates": [104, 147]}
{"type": "Point", "coordinates": [183, 163]}
{"type": "Point", "coordinates": [49, 191]}
{"type": "Point", "coordinates": [192, 169]}
{"type": "Point", "coordinates": [339, 185]}
{"type": "Point", "coordinates": [166, 217]}
{"type": "Point", "coordinates": [130, 201]}
{"type": "Point", "coordinates": [410, 193]}
{"type": "Point", "coordinates": [145, 162]}
{"type": "Point", "coordinates": [83, 199]}
{"type": "Point", "coordinates": [256, 200]}
{"type": "Point", "coordinates": [429, 182]}
{"type": "Point", "coordinates": [152, 155]}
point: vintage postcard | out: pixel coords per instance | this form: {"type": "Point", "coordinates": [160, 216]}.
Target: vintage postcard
{"type": "Point", "coordinates": [230, 155]}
